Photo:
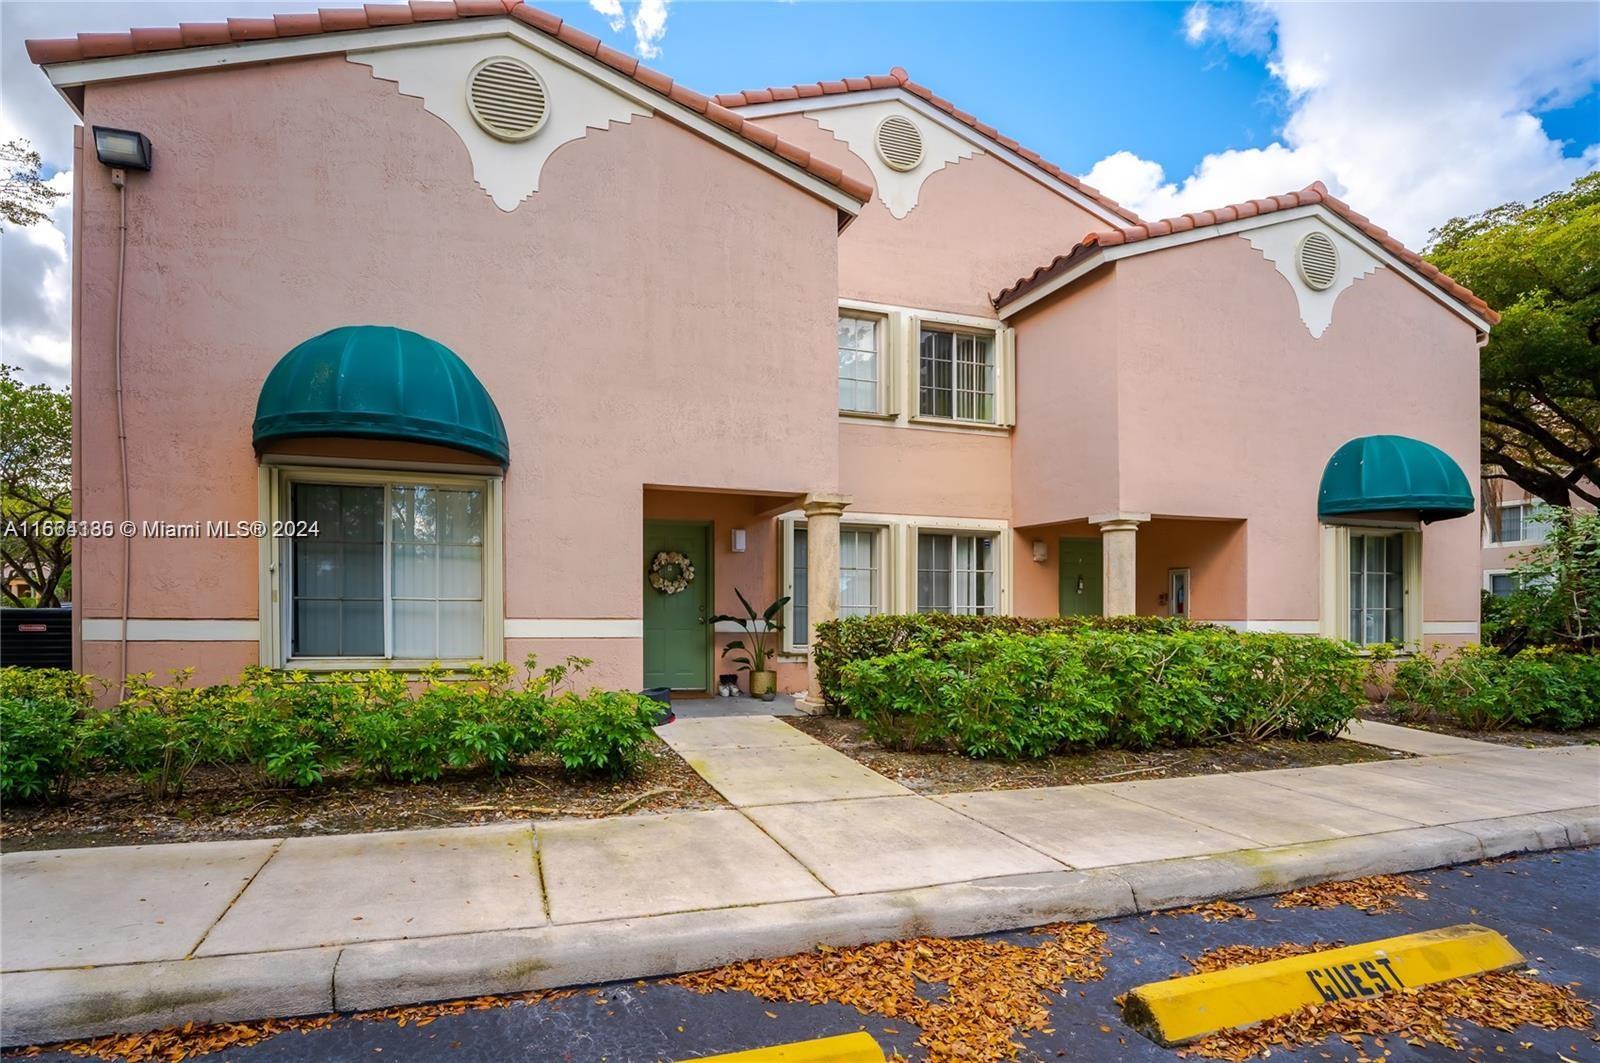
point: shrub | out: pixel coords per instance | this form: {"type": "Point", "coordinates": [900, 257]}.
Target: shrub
{"type": "Point", "coordinates": [295, 729]}
{"type": "Point", "coordinates": [839, 642]}
{"type": "Point", "coordinates": [38, 746]}
{"type": "Point", "coordinates": [1021, 695]}
{"type": "Point", "coordinates": [602, 732]}
{"type": "Point", "coordinates": [1557, 600]}
{"type": "Point", "coordinates": [1483, 689]}
{"type": "Point", "coordinates": [162, 733]}
{"type": "Point", "coordinates": [46, 683]}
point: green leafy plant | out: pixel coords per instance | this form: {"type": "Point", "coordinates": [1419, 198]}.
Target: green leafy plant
{"type": "Point", "coordinates": [837, 643]}
{"type": "Point", "coordinates": [163, 732]}
{"type": "Point", "coordinates": [1483, 689]}
{"type": "Point", "coordinates": [601, 732]}
{"type": "Point", "coordinates": [1011, 695]}
{"type": "Point", "coordinates": [39, 746]}
{"type": "Point", "coordinates": [1557, 600]}
{"type": "Point", "coordinates": [761, 629]}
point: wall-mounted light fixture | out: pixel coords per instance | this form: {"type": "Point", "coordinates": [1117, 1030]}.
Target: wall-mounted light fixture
{"type": "Point", "coordinates": [122, 149]}
{"type": "Point", "coordinates": [738, 540]}
{"type": "Point", "coordinates": [1041, 553]}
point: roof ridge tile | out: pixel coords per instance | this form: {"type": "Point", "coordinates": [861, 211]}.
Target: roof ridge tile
{"type": "Point", "coordinates": [1316, 193]}
{"type": "Point", "coordinates": [49, 51]}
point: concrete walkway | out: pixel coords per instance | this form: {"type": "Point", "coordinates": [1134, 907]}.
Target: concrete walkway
{"type": "Point", "coordinates": [817, 849]}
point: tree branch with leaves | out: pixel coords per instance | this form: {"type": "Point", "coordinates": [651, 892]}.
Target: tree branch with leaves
{"type": "Point", "coordinates": [1539, 264]}
{"type": "Point", "coordinates": [35, 488]}
{"type": "Point", "coordinates": [25, 198]}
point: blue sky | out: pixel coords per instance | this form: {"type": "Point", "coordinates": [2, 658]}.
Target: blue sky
{"type": "Point", "coordinates": [1413, 112]}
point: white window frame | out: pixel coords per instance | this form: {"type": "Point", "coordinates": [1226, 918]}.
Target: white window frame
{"type": "Point", "coordinates": [882, 338]}
{"type": "Point", "coordinates": [1001, 566]}
{"type": "Point", "coordinates": [900, 357]}
{"type": "Point", "coordinates": [1335, 610]}
{"type": "Point", "coordinates": [797, 642]}
{"type": "Point", "coordinates": [276, 561]}
{"type": "Point", "coordinates": [987, 336]}
{"type": "Point", "coordinates": [1490, 573]}
{"type": "Point", "coordinates": [1492, 526]}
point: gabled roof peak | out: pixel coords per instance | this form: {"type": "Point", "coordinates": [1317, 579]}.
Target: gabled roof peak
{"type": "Point", "coordinates": [897, 78]}
{"type": "Point", "coordinates": [244, 31]}
{"type": "Point", "coordinates": [1314, 193]}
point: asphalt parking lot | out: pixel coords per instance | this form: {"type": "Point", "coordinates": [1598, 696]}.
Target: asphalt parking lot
{"type": "Point", "coordinates": [1548, 905]}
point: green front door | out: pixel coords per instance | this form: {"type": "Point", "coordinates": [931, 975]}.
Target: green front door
{"type": "Point", "coordinates": [677, 648]}
{"type": "Point", "coordinates": [1081, 578]}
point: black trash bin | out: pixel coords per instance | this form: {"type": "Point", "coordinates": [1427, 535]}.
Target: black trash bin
{"type": "Point", "coordinates": [664, 696]}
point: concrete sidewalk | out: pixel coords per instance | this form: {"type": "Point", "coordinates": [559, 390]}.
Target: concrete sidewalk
{"type": "Point", "coordinates": [817, 849]}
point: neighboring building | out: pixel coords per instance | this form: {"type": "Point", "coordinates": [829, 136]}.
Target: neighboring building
{"type": "Point", "coordinates": [1512, 525]}
{"type": "Point", "coordinates": [779, 332]}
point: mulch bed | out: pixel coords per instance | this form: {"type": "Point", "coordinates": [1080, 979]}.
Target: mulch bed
{"type": "Point", "coordinates": [1511, 736]}
{"type": "Point", "coordinates": [944, 773]}
{"type": "Point", "coordinates": [224, 803]}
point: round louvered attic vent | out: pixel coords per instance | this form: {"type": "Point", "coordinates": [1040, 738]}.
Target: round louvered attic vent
{"type": "Point", "coordinates": [506, 98]}
{"type": "Point", "coordinates": [1319, 261]}
{"type": "Point", "coordinates": [899, 142]}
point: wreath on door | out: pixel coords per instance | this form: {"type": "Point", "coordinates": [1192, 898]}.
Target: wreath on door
{"type": "Point", "coordinates": [671, 572]}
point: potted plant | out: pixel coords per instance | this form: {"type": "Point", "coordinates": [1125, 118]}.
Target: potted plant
{"type": "Point", "coordinates": [759, 630]}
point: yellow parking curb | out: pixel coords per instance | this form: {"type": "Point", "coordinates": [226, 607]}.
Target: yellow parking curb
{"type": "Point", "coordinates": [846, 1048]}
{"type": "Point", "coordinates": [1182, 1009]}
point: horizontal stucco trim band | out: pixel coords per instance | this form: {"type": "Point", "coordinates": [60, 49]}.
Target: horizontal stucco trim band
{"type": "Point", "coordinates": [173, 630]}
{"type": "Point", "coordinates": [574, 629]}
{"type": "Point", "coordinates": [1449, 627]}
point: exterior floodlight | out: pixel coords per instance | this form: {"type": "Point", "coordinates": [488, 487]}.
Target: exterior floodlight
{"type": "Point", "coordinates": [122, 149]}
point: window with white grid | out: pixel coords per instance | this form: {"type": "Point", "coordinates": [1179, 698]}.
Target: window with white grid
{"type": "Point", "coordinates": [956, 573]}
{"type": "Point", "coordinates": [956, 376]}
{"type": "Point", "coordinates": [860, 577]}
{"type": "Point", "coordinates": [859, 364]}
{"type": "Point", "coordinates": [1377, 588]}
{"type": "Point", "coordinates": [1518, 522]}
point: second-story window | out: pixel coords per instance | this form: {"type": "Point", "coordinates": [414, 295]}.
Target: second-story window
{"type": "Point", "coordinates": [956, 376]}
{"type": "Point", "coordinates": [858, 364]}
{"type": "Point", "coordinates": [1517, 522]}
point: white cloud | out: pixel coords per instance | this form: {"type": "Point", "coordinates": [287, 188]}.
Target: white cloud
{"type": "Point", "coordinates": [649, 26]}
{"type": "Point", "coordinates": [36, 292]}
{"type": "Point", "coordinates": [612, 10]}
{"type": "Point", "coordinates": [1414, 113]}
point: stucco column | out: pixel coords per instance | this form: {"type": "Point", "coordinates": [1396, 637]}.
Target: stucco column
{"type": "Point", "coordinates": [822, 578]}
{"type": "Point", "coordinates": [1119, 534]}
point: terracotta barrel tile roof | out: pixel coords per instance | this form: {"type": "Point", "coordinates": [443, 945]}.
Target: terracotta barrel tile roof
{"type": "Point", "coordinates": [1316, 192]}
{"type": "Point", "coordinates": [339, 20]}
{"type": "Point", "coordinates": [898, 78]}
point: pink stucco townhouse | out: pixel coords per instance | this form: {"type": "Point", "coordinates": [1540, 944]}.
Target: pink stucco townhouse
{"type": "Point", "coordinates": [509, 317]}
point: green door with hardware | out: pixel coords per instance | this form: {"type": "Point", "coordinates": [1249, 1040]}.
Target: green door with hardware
{"type": "Point", "coordinates": [677, 646]}
{"type": "Point", "coordinates": [1081, 577]}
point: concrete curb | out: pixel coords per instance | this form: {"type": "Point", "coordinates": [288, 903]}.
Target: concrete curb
{"type": "Point", "coordinates": [55, 1005]}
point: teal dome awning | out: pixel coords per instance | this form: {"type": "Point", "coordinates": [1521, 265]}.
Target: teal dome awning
{"type": "Point", "coordinates": [377, 382]}
{"type": "Point", "coordinates": [1377, 473]}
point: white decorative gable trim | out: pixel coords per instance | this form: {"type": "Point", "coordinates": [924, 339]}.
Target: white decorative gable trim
{"type": "Point", "coordinates": [1281, 243]}
{"type": "Point", "coordinates": [507, 170]}
{"type": "Point", "coordinates": [899, 189]}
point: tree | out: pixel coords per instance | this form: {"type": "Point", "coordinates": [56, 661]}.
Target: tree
{"type": "Point", "coordinates": [1540, 266]}
{"type": "Point", "coordinates": [24, 197]}
{"type": "Point", "coordinates": [35, 487]}
{"type": "Point", "coordinates": [1557, 597]}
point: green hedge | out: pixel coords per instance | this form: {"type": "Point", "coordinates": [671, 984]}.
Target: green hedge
{"type": "Point", "coordinates": [1026, 695]}
{"type": "Point", "coordinates": [294, 730]}
{"type": "Point", "coordinates": [836, 643]}
{"type": "Point", "coordinates": [1484, 689]}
